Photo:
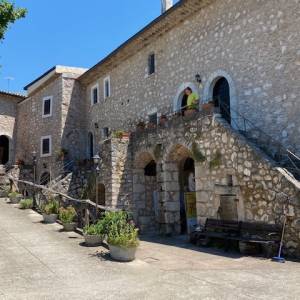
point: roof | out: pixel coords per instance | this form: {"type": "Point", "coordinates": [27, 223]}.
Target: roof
{"type": "Point", "coordinates": [52, 72]}
{"type": "Point", "coordinates": [15, 95]}
{"type": "Point", "coordinates": [177, 14]}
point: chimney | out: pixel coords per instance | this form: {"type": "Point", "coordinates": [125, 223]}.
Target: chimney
{"type": "Point", "coordinates": [165, 5]}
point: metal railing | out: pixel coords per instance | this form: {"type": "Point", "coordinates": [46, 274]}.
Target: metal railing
{"type": "Point", "coordinates": [285, 157]}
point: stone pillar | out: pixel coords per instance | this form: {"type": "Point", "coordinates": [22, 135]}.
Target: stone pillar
{"type": "Point", "coordinates": [171, 201]}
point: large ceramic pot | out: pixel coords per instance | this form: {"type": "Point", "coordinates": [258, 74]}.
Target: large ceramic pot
{"type": "Point", "coordinates": [50, 219]}
{"type": "Point", "coordinates": [69, 226]}
{"type": "Point", "coordinates": [122, 254]}
{"type": "Point", "coordinates": [93, 240]}
{"type": "Point", "coordinates": [15, 199]}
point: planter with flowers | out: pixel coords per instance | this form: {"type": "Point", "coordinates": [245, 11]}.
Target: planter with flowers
{"type": "Point", "coordinates": [50, 211]}
{"type": "Point", "coordinates": [93, 235]}
{"type": "Point", "coordinates": [67, 217]}
{"type": "Point", "coordinates": [122, 235]}
{"type": "Point", "coordinates": [15, 197]}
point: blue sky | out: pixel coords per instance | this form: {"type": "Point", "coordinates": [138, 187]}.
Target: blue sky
{"type": "Point", "coordinates": [68, 32]}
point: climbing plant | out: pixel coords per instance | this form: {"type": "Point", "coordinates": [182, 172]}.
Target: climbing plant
{"type": "Point", "coordinates": [216, 161]}
{"type": "Point", "coordinates": [197, 154]}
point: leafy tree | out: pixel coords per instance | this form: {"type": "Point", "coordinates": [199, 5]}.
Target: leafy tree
{"type": "Point", "coordinates": [8, 15]}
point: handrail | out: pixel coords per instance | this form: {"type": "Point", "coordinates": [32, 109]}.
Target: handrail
{"type": "Point", "coordinates": [281, 151]}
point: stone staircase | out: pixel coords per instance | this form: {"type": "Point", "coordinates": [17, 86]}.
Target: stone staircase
{"type": "Point", "coordinates": [284, 157]}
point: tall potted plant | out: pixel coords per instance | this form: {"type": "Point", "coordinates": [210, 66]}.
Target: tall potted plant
{"type": "Point", "coordinates": [122, 236]}
{"type": "Point", "coordinates": [67, 217]}
{"type": "Point", "coordinates": [50, 211]}
{"type": "Point", "coordinates": [93, 234]}
{"type": "Point", "coordinates": [15, 197]}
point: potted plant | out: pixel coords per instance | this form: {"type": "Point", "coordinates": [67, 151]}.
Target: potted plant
{"type": "Point", "coordinates": [26, 203]}
{"type": "Point", "coordinates": [191, 110]}
{"type": "Point", "coordinates": [209, 106]}
{"type": "Point", "coordinates": [163, 120]}
{"type": "Point", "coordinates": [67, 217]}
{"type": "Point", "coordinates": [93, 235]}
{"type": "Point", "coordinates": [50, 211]}
{"type": "Point", "coordinates": [140, 126]}
{"type": "Point", "coordinates": [15, 197]}
{"type": "Point", "coordinates": [20, 162]}
{"type": "Point", "coordinates": [122, 235]}
{"type": "Point", "coordinates": [62, 153]}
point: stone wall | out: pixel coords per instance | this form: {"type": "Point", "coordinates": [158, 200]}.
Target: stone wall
{"type": "Point", "coordinates": [225, 164]}
{"type": "Point", "coordinates": [253, 44]}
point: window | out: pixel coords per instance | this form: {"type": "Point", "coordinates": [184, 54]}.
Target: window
{"type": "Point", "coordinates": [153, 119]}
{"type": "Point", "coordinates": [95, 94]}
{"type": "Point", "coordinates": [46, 146]}
{"type": "Point", "coordinates": [106, 83]}
{"type": "Point", "coordinates": [151, 64]}
{"type": "Point", "coordinates": [47, 107]}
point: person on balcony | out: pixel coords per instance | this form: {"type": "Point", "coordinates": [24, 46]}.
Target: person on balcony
{"type": "Point", "coordinates": [193, 99]}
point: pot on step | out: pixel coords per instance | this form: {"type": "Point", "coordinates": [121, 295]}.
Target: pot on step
{"type": "Point", "coordinates": [69, 226]}
{"type": "Point", "coordinates": [93, 240]}
{"type": "Point", "coordinates": [122, 254]}
{"type": "Point", "coordinates": [50, 219]}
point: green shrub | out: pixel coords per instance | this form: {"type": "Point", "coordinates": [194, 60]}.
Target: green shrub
{"type": "Point", "coordinates": [14, 194]}
{"type": "Point", "coordinates": [26, 203]}
{"type": "Point", "coordinates": [119, 229]}
{"type": "Point", "coordinates": [67, 215]}
{"type": "Point", "coordinates": [90, 229]}
{"type": "Point", "coordinates": [52, 207]}
{"type": "Point", "coordinates": [217, 160]}
{"type": "Point", "coordinates": [197, 154]}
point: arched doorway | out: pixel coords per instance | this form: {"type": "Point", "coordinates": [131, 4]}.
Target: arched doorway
{"type": "Point", "coordinates": [101, 194]}
{"type": "Point", "coordinates": [221, 97]}
{"type": "Point", "coordinates": [180, 99]}
{"type": "Point", "coordinates": [180, 190]}
{"type": "Point", "coordinates": [145, 193]}
{"type": "Point", "coordinates": [45, 178]}
{"type": "Point", "coordinates": [90, 145]}
{"type": "Point", "coordinates": [4, 150]}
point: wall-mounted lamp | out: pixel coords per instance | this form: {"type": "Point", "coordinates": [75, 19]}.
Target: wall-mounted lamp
{"type": "Point", "coordinates": [198, 78]}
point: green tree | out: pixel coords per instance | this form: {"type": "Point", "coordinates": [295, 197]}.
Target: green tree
{"type": "Point", "coordinates": [8, 15]}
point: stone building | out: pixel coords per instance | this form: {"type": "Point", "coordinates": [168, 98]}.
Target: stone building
{"type": "Point", "coordinates": [50, 122]}
{"type": "Point", "coordinates": [236, 161]}
{"type": "Point", "coordinates": [8, 110]}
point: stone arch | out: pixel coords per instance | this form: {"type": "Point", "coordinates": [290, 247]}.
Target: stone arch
{"type": "Point", "coordinates": [209, 88]}
{"type": "Point", "coordinates": [145, 192]}
{"type": "Point", "coordinates": [180, 91]}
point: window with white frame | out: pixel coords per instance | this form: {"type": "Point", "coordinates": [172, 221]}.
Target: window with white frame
{"type": "Point", "coordinates": [47, 106]}
{"type": "Point", "coordinates": [95, 94]}
{"type": "Point", "coordinates": [106, 83]}
{"type": "Point", "coordinates": [46, 146]}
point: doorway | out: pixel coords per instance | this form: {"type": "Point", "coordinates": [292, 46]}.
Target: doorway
{"type": "Point", "coordinates": [4, 150]}
{"type": "Point", "coordinates": [187, 191]}
{"type": "Point", "coordinates": [221, 97]}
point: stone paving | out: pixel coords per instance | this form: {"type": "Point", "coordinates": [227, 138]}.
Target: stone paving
{"type": "Point", "coordinates": [40, 261]}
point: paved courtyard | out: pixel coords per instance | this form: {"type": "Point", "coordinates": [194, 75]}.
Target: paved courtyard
{"type": "Point", "coordinates": [40, 261]}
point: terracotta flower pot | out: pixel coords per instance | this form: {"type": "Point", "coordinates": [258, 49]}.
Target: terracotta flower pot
{"type": "Point", "coordinates": [190, 112]}
{"type": "Point", "coordinates": [208, 107]}
{"type": "Point", "coordinates": [122, 254]}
